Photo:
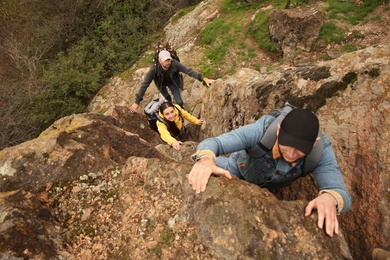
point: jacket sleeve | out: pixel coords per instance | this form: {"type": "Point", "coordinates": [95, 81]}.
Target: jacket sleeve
{"type": "Point", "coordinates": [329, 178]}
{"type": "Point", "coordinates": [164, 133]}
{"type": "Point", "coordinates": [187, 116]}
{"type": "Point", "coordinates": [145, 84]}
{"type": "Point", "coordinates": [236, 140]}
{"type": "Point", "coordinates": [190, 72]}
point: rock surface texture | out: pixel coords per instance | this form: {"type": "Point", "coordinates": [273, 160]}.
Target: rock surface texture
{"type": "Point", "coordinates": [104, 186]}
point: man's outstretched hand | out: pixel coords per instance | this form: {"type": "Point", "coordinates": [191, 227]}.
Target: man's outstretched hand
{"type": "Point", "coordinates": [201, 172]}
{"type": "Point", "coordinates": [208, 81]}
{"type": "Point", "coordinates": [326, 211]}
{"type": "Point", "coordinates": [134, 107]}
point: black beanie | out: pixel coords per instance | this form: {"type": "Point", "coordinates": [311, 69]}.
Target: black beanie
{"type": "Point", "coordinates": [299, 129]}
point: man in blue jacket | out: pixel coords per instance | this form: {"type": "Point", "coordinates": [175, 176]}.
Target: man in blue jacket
{"type": "Point", "coordinates": [166, 74]}
{"type": "Point", "coordinates": [296, 136]}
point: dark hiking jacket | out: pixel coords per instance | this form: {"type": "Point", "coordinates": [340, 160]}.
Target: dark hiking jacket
{"type": "Point", "coordinates": [156, 74]}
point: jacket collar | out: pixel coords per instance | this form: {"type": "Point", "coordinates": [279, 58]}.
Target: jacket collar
{"type": "Point", "coordinates": [276, 154]}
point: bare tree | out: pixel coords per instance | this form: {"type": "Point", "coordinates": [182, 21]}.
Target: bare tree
{"type": "Point", "coordinates": [18, 91]}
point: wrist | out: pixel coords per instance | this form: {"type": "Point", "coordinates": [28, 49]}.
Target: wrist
{"type": "Point", "coordinates": [203, 154]}
{"type": "Point", "coordinates": [337, 197]}
{"type": "Point", "coordinates": [205, 158]}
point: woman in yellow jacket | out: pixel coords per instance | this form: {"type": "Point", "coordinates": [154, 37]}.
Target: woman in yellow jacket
{"type": "Point", "coordinates": [173, 115]}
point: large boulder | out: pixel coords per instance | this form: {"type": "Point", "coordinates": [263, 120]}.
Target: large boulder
{"type": "Point", "coordinates": [296, 31]}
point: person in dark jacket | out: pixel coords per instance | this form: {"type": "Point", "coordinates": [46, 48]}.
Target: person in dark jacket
{"type": "Point", "coordinates": [166, 75]}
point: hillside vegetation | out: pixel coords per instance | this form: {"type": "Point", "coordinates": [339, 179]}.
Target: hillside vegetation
{"type": "Point", "coordinates": [55, 55]}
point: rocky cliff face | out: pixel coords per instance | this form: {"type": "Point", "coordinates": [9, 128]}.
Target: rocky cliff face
{"type": "Point", "coordinates": [104, 186]}
{"type": "Point", "coordinates": [72, 194]}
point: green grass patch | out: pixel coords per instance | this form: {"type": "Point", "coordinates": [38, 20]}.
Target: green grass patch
{"type": "Point", "coordinates": [167, 236]}
{"type": "Point", "coordinates": [376, 18]}
{"type": "Point", "coordinates": [225, 37]}
{"type": "Point", "coordinates": [350, 48]}
{"type": "Point", "coordinates": [182, 13]}
{"type": "Point", "coordinates": [331, 33]}
{"type": "Point", "coordinates": [218, 37]}
{"type": "Point", "coordinates": [157, 251]}
{"type": "Point", "coordinates": [232, 7]}
{"type": "Point", "coordinates": [350, 12]}
{"type": "Point", "coordinates": [258, 29]}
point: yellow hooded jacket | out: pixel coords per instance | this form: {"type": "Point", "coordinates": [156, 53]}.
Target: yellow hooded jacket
{"type": "Point", "coordinates": [163, 129]}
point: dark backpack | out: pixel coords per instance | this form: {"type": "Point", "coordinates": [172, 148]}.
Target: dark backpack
{"type": "Point", "coordinates": [269, 138]}
{"type": "Point", "coordinates": [161, 47]}
{"type": "Point", "coordinates": [152, 113]}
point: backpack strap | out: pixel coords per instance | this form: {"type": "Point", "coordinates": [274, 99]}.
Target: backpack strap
{"type": "Point", "coordinates": [178, 110]}
{"type": "Point", "coordinates": [269, 138]}
{"type": "Point", "coordinates": [312, 159]}
{"type": "Point", "coordinates": [162, 120]}
{"type": "Point", "coordinates": [178, 107]}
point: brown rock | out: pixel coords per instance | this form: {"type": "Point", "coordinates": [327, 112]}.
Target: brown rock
{"type": "Point", "coordinates": [296, 31]}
